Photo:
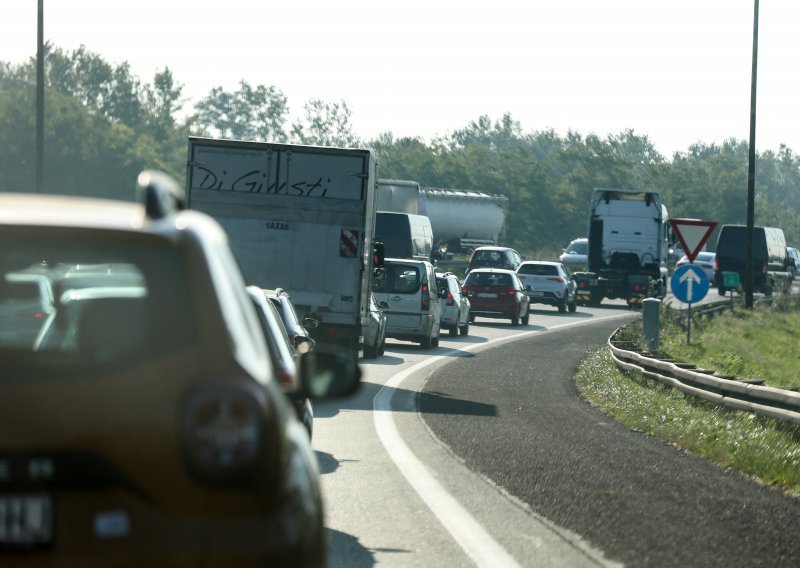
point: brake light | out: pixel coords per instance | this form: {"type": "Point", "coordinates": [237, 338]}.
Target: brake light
{"type": "Point", "coordinates": [511, 292]}
{"type": "Point", "coordinates": [222, 434]}
{"type": "Point", "coordinates": [556, 279]}
{"type": "Point", "coordinates": [637, 287]}
{"type": "Point", "coordinates": [582, 284]}
{"type": "Point", "coordinates": [450, 300]}
{"type": "Point", "coordinates": [426, 300]}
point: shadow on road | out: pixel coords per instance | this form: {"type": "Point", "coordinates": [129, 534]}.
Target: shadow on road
{"type": "Point", "coordinates": [404, 400]}
{"type": "Point", "coordinates": [348, 551]}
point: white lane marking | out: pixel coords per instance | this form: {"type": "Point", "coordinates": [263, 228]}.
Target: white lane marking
{"type": "Point", "coordinates": [473, 539]}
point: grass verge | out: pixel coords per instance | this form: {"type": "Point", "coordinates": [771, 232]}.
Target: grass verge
{"type": "Point", "coordinates": [764, 448]}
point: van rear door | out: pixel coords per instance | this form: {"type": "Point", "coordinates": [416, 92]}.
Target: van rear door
{"type": "Point", "coordinates": [401, 288]}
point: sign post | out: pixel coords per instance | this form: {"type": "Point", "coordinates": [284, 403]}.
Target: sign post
{"type": "Point", "coordinates": [689, 284]}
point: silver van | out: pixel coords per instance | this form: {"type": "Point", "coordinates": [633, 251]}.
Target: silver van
{"type": "Point", "coordinates": [411, 290]}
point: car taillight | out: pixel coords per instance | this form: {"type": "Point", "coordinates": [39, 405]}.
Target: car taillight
{"type": "Point", "coordinates": [556, 279]}
{"type": "Point", "coordinates": [582, 284]}
{"type": "Point", "coordinates": [637, 287]}
{"type": "Point", "coordinates": [222, 434]}
{"type": "Point", "coordinates": [426, 300]}
{"type": "Point", "coordinates": [511, 292]}
{"type": "Point", "coordinates": [29, 314]}
{"type": "Point", "coordinates": [450, 300]}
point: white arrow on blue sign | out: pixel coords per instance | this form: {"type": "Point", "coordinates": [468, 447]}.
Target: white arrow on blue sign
{"type": "Point", "coordinates": [689, 284]}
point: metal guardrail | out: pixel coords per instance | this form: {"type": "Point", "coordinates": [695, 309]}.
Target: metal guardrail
{"type": "Point", "coordinates": [741, 394]}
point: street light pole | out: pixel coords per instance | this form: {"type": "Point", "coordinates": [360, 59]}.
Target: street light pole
{"type": "Point", "coordinates": [751, 168]}
{"type": "Point", "coordinates": [40, 99]}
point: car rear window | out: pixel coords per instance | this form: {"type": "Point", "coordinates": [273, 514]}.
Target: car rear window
{"type": "Point", "coordinates": [539, 269]}
{"type": "Point", "coordinates": [489, 279]}
{"type": "Point", "coordinates": [399, 279]}
{"type": "Point", "coordinates": [115, 298]}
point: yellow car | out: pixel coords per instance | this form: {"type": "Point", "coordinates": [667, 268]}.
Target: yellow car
{"type": "Point", "coordinates": [141, 424]}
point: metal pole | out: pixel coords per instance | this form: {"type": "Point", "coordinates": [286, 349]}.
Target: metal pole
{"type": "Point", "coordinates": [40, 100]}
{"type": "Point", "coordinates": [689, 326]}
{"type": "Point", "coordinates": [751, 169]}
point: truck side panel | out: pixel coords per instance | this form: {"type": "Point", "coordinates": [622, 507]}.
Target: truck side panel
{"type": "Point", "coordinates": [298, 217]}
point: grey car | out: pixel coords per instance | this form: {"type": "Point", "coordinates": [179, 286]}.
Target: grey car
{"type": "Point", "coordinates": [455, 304]}
{"type": "Point", "coordinates": [576, 255]}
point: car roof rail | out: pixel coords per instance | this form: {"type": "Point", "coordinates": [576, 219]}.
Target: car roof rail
{"type": "Point", "coordinates": [159, 193]}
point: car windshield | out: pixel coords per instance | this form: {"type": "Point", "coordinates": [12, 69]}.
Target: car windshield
{"type": "Point", "coordinates": [580, 247]}
{"type": "Point", "coordinates": [539, 269]}
{"type": "Point", "coordinates": [111, 301]}
{"type": "Point", "coordinates": [489, 279]}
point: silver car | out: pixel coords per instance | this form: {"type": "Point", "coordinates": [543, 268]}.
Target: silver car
{"type": "Point", "coordinates": [576, 255]}
{"type": "Point", "coordinates": [455, 304]}
{"type": "Point", "coordinates": [550, 282]}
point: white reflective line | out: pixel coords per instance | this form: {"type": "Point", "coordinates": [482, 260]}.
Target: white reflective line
{"type": "Point", "coordinates": [473, 539]}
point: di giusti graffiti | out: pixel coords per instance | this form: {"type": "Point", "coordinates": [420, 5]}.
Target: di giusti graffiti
{"type": "Point", "coordinates": [256, 182]}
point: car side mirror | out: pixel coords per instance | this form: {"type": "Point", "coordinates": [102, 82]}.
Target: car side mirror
{"type": "Point", "coordinates": [310, 323]}
{"type": "Point", "coordinates": [328, 372]}
{"type": "Point", "coordinates": [383, 304]}
{"type": "Point", "coordinates": [528, 288]}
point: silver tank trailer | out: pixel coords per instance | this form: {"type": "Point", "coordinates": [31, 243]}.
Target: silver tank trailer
{"type": "Point", "coordinates": [465, 218]}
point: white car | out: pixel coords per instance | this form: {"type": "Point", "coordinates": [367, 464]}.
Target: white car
{"type": "Point", "coordinates": [550, 282]}
{"type": "Point", "coordinates": [455, 304]}
{"type": "Point", "coordinates": [704, 260]}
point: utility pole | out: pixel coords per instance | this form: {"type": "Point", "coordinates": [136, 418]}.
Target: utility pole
{"type": "Point", "coordinates": [751, 169]}
{"type": "Point", "coordinates": [40, 100]}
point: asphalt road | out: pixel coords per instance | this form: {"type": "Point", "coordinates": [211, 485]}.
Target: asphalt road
{"type": "Point", "coordinates": [513, 415]}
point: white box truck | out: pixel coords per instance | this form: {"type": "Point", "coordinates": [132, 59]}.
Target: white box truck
{"type": "Point", "coordinates": [301, 218]}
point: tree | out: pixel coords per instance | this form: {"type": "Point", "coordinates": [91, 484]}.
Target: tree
{"type": "Point", "coordinates": [325, 124]}
{"type": "Point", "coordinates": [257, 114]}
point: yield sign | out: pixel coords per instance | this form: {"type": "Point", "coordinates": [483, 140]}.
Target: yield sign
{"type": "Point", "coordinates": [692, 234]}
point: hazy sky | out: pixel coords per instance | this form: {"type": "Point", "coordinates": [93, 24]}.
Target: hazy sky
{"type": "Point", "coordinates": [677, 71]}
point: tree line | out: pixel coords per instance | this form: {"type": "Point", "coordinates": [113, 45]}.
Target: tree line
{"type": "Point", "coordinates": [103, 125]}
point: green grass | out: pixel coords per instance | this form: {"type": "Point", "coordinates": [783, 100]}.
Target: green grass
{"type": "Point", "coordinates": [758, 344]}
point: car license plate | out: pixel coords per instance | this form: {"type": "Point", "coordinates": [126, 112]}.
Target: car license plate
{"type": "Point", "coordinates": [487, 295]}
{"type": "Point", "coordinates": [25, 520]}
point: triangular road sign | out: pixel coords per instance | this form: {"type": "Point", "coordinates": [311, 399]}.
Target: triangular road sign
{"type": "Point", "coordinates": [692, 234]}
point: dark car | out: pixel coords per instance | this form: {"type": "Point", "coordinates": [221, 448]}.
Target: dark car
{"type": "Point", "coordinates": [497, 293]}
{"type": "Point", "coordinates": [285, 355]}
{"type": "Point", "coordinates": [146, 426]}
{"type": "Point", "coordinates": [375, 330]}
{"type": "Point", "coordinates": [494, 257]}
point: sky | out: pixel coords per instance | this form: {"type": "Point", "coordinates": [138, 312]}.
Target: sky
{"type": "Point", "coordinates": [676, 71]}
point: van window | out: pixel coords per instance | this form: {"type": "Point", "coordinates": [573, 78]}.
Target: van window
{"type": "Point", "coordinates": [400, 279]}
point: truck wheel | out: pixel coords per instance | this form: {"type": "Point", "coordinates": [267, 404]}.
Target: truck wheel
{"type": "Point", "coordinates": [721, 290]}
{"type": "Point", "coordinates": [596, 298]}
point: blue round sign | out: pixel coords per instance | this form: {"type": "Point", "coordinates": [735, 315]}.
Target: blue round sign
{"type": "Point", "coordinates": [689, 284]}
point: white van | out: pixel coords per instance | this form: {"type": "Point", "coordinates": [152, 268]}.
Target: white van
{"type": "Point", "coordinates": [410, 289]}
